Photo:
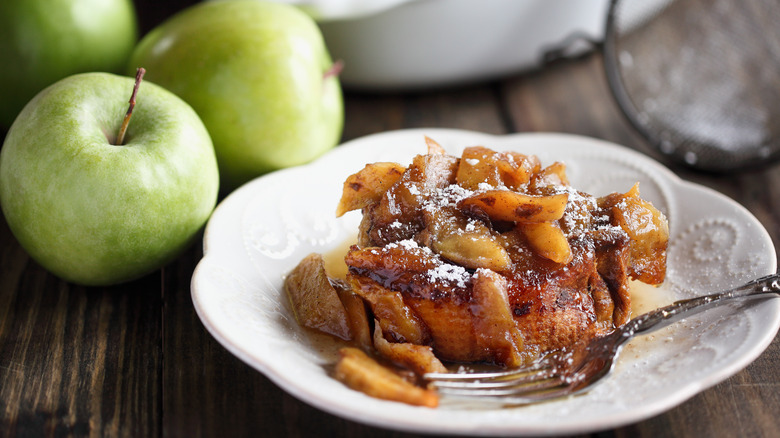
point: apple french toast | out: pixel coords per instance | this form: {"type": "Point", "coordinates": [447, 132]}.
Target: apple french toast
{"type": "Point", "coordinates": [487, 258]}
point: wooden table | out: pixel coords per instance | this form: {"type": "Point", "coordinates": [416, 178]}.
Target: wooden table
{"type": "Point", "coordinates": [135, 360]}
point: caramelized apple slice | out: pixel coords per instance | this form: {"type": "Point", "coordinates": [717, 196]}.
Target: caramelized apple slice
{"type": "Point", "coordinates": [418, 358]}
{"type": "Point", "coordinates": [397, 215]}
{"type": "Point", "coordinates": [434, 148]}
{"type": "Point", "coordinates": [368, 185]}
{"type": "Point", "coordinates": [648, 231]}
{"type": "Point", "coordinates": [547, 239]}
{"type": "Point", "coordinates": [314, 300]}
{"type": "Point", "coordinates": [473, 250]}
{"type": "Point", "coordinates": [552, 175]}
{"type": "Point", "coordinates": [357, 316]}
{"type": "Point", "coordinates": [504, 205]}
{"type": "Point", "coordinates": [480, 165]}
{"type": "Point", "coordinates": [360, 372]}
{"type": "Point", "coordinates": [516, 169]}
{"type": "Point", "coordinates": [494, 326]}
{"type": "Point", "coordinates": [465, 241]}
{"type": "Point", "coordinates": [395, 317]}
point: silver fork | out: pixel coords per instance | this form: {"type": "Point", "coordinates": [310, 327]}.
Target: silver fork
{"type": "Point", "coordinates": [574, 370]}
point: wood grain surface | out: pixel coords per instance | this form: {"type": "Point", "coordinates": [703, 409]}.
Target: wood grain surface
{"type": "Point", "coordinates": [134, 360]}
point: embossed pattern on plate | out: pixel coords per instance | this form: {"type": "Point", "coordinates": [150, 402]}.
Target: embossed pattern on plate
{"type": "Point", "coordinates": [261, 231]}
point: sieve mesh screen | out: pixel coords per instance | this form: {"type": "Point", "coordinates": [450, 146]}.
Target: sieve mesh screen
{"type": "Point", "coordinates": [699, 78]}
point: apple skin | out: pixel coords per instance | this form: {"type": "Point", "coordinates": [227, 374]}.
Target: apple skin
{"type": "Point", "coordinates": [95, 213]}
{"type": "Point", "coordinates": [43, 41]}
{"type": "Point", "coordinates": [253, 71]}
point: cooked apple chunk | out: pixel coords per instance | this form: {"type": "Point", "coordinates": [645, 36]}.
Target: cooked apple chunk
{"type": "Point", "coordinates": [368, 185]}
{"type": "Point", "coordinates": [508, 206]}
{"type": "Point", "coordinates": [418, 358]}
{"type": "Point", "coordinates": [362, 373]}
{"type": "Point", "coordinates": [465, 241]}
{"type": "Point", "coordinates": [357, 315]}
{"type": "Point", "coordinates": [648, 233]}
{"type": "Point", "coordinates": [481, 166]}
{"type": "Point", "coordinates": [395, 317]}
{"type": "Point", "coordinates": [397, 215]}
{"type": "Point", "coordinates": [434, 148]}
{"type": "Point", "coordinates": [547, 239]}
{"type": "Point", "coordinates": [494, 324]}
{"type": "Point", "coordinates": [552, 175]}
{"type": "Point", "coordinates": [314, 300]}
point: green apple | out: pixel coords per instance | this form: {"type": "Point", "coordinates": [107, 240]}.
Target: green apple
{"type": "Point", "coordinates": [257, 74]}
{"type": "Point", "coordinates": [43, 41]}
{"type": "Point", "coordinates": [94, 212]}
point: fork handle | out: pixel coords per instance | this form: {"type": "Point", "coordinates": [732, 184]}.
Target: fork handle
{"type": "Point", "coordinates": [664, 316]}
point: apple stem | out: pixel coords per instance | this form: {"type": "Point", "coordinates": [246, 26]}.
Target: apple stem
{"type": "Point", "coordinates": [334, 70]}
{"type": "Point", "coordinates": [120, 138]}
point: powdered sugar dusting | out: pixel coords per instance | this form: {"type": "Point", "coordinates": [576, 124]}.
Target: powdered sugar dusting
{"type": "Point", "coordinates": [483, 187]}
{"type": "Point", "coordinates": [450, 274]}
{"type": "Point", "coordinates": [446, 197]}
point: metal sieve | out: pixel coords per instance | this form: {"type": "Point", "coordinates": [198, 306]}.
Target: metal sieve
{"type": "Point", "coordinates": [700, 79]}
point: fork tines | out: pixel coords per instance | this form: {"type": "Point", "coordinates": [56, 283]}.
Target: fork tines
{"type": "Point", "coordinates": [524, 385]}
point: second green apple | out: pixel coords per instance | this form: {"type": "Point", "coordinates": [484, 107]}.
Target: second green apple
{"type": "Point", "coordinates": [257, 74]}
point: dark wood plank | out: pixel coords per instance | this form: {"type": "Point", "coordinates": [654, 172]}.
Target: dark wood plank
{"type": "Point", "coordinates": [207, 391]}
{"type": "Point", "coordinates": [76, 360]}
{"type": "Point", "coordinates": [473, 108]}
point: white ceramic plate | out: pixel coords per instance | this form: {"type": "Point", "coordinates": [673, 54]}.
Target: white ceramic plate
{"type": "Point", "coordinates": [261, 231]}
